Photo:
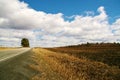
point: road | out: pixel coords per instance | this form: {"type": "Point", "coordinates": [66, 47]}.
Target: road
{"type": "Point", "coordinates": [14, 64]}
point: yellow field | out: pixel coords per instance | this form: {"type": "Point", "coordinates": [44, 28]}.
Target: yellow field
{"type": "Point", "coordinates": [55, 66]}
{"type": "Point", "coordinates": [3, 48]}
{"type": "Point", "coordinates": [6, 48]}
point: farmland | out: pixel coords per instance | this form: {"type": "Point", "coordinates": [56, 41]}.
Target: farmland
{"type": "Point", "coordinates": [80, 62]}
{"type": "Point", "coordinates": [108, 53]}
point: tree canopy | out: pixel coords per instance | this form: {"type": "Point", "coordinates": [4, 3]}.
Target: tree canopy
{"type": "Point", "coordinates": [25, 42]}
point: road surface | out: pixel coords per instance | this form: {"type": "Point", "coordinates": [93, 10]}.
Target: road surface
{"type": "Point", "coordinates": [14, 64]}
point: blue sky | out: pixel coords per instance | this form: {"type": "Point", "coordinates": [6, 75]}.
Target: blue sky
{"type": "Point", "coordinates": [76, 7]}
{"type": "Point", "coordinates": [50, 23]}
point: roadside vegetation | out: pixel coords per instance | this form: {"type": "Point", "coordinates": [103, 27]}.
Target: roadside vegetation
{"type": "Point", "coordinates": [44, 66]}
{"type": "Point", "coordinates": [58, 66]}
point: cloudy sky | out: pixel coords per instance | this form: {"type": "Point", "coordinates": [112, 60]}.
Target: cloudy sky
{"type": "Point", "coordinates": [59, 22]}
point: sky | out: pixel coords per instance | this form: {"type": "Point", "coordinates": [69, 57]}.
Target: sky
{"type": "Point", "coordinates": [52, 23]}
{"type": "Point", "coordinates": [75, 7]}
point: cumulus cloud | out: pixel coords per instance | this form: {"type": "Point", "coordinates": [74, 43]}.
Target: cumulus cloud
{"type": "Point", "coordinates": [18, 20]}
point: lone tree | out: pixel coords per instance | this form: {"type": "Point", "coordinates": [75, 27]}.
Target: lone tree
{"type": "Point", "coordinates": [25, 42]}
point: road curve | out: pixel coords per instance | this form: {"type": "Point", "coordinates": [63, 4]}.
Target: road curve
{"type": "Point", "coordinates": [15, 64]}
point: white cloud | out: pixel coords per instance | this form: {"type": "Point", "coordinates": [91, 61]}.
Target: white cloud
{"type": "Point", "coordinates": [116, 25]}
{"type": "Point", "coordinates": [116, 30]}
{"type": "Point", "coordinates": [89, 13]}
{"type": "Point", "coordinates": [18, 20]}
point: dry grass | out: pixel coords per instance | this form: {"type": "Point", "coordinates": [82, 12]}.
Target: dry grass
{"type": "Point", "coordinates": [55, 66]}
{"type": "Point", "coordinates": [108, 53]}
{"type": "Point", "coordinates": [43, 67]}
{"type": "Point", "coordinates": [6, 48]}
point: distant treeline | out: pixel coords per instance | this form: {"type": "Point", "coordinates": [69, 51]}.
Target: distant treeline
{"type": "Point", "coordinates": [96, 45]}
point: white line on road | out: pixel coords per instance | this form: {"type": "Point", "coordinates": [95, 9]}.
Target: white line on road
{"type": "Point", "coordinates": [21, 52]}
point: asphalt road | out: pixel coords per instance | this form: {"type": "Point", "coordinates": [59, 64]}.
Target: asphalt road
{"type": "Point", "coordinates": [14, 64]}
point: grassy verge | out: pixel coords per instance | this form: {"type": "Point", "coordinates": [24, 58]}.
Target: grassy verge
{"type": "Point", "coordinates": [45, 70]}
{"type": "Point", "coordinates": [55, 66]}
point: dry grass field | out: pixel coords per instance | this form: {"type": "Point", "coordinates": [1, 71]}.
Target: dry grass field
{"type": "Point", "coordinates": [58, 66]}
{"type": "Point", "coordinates": [6, 48]}
{"type": "Point", "coordinates": [108, 53]}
